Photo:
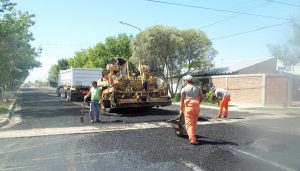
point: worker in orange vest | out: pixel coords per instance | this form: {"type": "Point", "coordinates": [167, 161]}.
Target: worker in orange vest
{"type": "Point", "coordinates": [191, 97]}
{"type": "Point", "coordinates": [222, 94]}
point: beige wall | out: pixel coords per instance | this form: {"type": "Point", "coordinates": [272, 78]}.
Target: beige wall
{"type": "Point", "coordinates": [242, 88]}
{"type": "Point", "coordinates": [256, 89]}
{"type": "Point", "coordinates": [247, 89]}
{"type": "Point", "coordinates": [276, 90]}
{"type": "Point", "coordinates": [219, 81]}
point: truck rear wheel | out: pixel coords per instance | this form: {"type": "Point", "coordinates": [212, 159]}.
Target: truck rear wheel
{"type": "Point", "coordinates": [58, 92]}
{"type": "Point", "coordinates": [63, 94]}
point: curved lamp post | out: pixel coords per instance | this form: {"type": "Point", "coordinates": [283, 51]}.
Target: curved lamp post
{"type": "Point", "coordinates": [121, 22]}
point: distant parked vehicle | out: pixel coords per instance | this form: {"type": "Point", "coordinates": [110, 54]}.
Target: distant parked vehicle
{"type": "Point", "coordinates": [52, 84]}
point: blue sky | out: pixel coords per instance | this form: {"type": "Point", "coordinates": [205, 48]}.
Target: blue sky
{"type": "Point", "coordinates": [64, 27]}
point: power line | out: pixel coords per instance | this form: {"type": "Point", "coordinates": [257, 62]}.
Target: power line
{"type": "Point", "coordinates": [227, 18]}
{"type": "Point", "coordinates": [261, 28]}
{"type": "Point", "coordinates": [290, 1]}
{"type": "Point", "coordinates": [283, 3]}
{"type": "Point", "coordinates": [218, 10]}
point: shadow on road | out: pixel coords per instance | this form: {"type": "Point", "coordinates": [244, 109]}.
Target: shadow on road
{"type": "Point", "coordinates": [136, 112]}
{"type": "Point", "coordinates": [201, 140]}
{"type": "Point", "coordinates": [207, 141]}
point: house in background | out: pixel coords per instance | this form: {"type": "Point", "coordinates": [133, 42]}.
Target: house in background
{"type": "Point", "coordinates": [252, 82]}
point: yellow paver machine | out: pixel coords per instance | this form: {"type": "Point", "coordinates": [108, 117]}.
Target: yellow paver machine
{"type": "Point", "coordinates": [143, 92]}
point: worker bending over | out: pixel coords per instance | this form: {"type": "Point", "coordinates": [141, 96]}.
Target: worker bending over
{"type": "Point", "coordinates": [225, 98]}
{"type": "Point", "coordinates": [122, 63]}
{"type": "Point", "coordinates": [191, 97]}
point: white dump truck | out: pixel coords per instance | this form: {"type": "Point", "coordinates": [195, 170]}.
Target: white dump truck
{"type": "Point", "coordinates": [74, 83]}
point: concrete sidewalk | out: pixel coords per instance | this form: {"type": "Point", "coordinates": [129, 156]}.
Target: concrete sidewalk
{"type": "Point", "coordinates": [254, 109]}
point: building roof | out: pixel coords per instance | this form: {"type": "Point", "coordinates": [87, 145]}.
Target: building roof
{"type": "Point", "coordinates": [232, 68]}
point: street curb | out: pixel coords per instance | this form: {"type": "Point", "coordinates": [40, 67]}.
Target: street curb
{"type": "Point", "coordinates": [9, 115]}
{"type": "Point", "coordinates": [3, 123]}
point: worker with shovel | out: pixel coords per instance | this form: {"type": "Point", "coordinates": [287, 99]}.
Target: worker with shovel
{"type": "Point", "coordinates": [95, 93]}
{"type": "Point", "coordinates": [223, 96]}
{"type": "Point", "coordinates": [191, 97]}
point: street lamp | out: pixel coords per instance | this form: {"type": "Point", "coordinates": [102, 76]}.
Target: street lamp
{"type": "Point", "coordinates": [121, 22]}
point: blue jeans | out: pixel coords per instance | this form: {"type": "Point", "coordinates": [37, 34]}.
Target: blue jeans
{"type": "Point", "coordinates": [94, 110]}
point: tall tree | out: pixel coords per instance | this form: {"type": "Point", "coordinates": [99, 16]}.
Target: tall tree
{"type": "Point", "coordinates": [79, 59]}
{"type": "Point", "coordinates": [118, 46]}
{"type": "Point", "coordinates": [172, 52]}
{"type": "Point", "coordinates": [289, 53]}
{"type": "Point", "coordinates": [17, 56]}
{"type": "Point", "coordinates": [63, 64]}
{"type": "Point", "coordinates": [53, 73]}
{"type": "Point", "coordinates": [100, 55]}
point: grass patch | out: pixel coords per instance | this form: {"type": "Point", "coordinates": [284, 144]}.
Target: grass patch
{"type": "Point", "coordinates": [4, 108]}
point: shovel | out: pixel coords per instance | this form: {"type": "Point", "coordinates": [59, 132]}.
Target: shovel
{"type": "Point", "coordinates": [82, 113]}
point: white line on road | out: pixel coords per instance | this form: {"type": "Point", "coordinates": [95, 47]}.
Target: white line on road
{"type": "Point", "coordinates": [119, 127]}
{"type": "Point", "coordinates": [192, 166]}
{"type": "Point", "coordinates": [278, 165]}
{"type": "Point", "coordinates": [17, 168]}
{"type": "Point", "coordinates": [77, 130]}
{"type": "Point", "coordinates": [75, 155]}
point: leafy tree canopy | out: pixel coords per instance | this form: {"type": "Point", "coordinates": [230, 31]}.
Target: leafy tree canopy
{"type": "Point", "coordinates": [173, 53]}
{"type": "Point", "coordinates": [17, 56]}
{"type": "Point", "coordinates": [289, 53]}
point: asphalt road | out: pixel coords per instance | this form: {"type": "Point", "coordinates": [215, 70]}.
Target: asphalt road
{"type": "Point", "coordinates": [46, 134]}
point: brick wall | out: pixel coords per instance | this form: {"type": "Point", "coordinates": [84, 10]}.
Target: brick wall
{"type": "Point", "coordinates": [254, 89]}
{"type": "Point", "coordinates": [246, 89]}
{"type": "Point", "coordinates": [276, 90]}
{"type": "Point", "coordinates": [242, 88]}
{"type": "Point", "coordinates": [219, 81]}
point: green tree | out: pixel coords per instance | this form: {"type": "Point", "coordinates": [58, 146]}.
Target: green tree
{"type": "Point", "coordinates": [63, 64]}
{"type": "Point", "coordinates": [100, 55]}
{"type": "Point", "coordinates": [53, 73]}
{"type": "Point", "coordinates": [119, 46]}
{"type": "Point", "coordinates": [288, 54]}
{"type": "Point", "coordinates": [79, 59]}
{"type": "Point", "coordinates": [173, 53]}
{"type": "Point", "coordinates": [17, 56]}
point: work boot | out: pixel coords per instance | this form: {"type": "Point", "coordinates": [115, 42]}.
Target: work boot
{"type": "Point", "coordinates": [193, 142]}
